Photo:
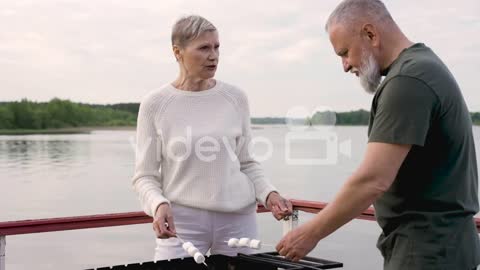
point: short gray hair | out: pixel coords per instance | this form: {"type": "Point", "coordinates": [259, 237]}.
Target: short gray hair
{"type": "Point", "coordinates": [350, 12]}
{"type": "Point", "coordinates": [189, 28]}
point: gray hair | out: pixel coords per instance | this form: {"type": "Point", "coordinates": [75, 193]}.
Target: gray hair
{"type": "Point", "coordinates": [350, 12]}
{"type": "Point", "coordinates": [189, 28]}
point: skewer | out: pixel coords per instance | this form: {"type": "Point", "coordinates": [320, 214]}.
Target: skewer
{"type": "Point", "coordinates": [179, 238]}
{"type": "Point", "coordinates": [267, 245]}
{"type": "Point", "coordinates": [183, 242]}
{"type": "Point", "coordinates": [176, 235]}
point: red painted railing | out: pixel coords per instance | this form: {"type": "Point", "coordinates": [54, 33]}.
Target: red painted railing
{"type": "Point", "coordinates": [75, 223]}
{"type": "Point", "coordinates": [131, 218]}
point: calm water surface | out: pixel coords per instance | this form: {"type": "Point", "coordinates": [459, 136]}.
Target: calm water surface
{"type": "Point", "coordinates": [44, 176]}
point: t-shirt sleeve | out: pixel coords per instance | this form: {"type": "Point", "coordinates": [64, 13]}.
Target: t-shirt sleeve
{"type": "Point", "coordinates": [404, 112]}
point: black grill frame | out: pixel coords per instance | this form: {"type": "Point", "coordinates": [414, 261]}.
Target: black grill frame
{"type": "Point", "coordinates": [259, 261]}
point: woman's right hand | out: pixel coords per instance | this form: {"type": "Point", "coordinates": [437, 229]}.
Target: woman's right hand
{"type": "Point", "coordinates": [163, 222]}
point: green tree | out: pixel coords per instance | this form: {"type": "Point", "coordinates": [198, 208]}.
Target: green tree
{"type": "Point", "coordinates": [24, 115]}
{"type": "Point", "coordinates": [7, 118]}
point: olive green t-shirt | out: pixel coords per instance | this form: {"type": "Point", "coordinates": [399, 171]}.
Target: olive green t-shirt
{"type": "Point", "coordinates": [427, 214]}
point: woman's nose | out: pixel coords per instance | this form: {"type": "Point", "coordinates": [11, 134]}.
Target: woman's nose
{"type": "Point", "coordinates": [213, 55]}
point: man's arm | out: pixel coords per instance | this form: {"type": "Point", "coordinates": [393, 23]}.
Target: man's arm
{"type": "Point", "coordinates": [374, 176]}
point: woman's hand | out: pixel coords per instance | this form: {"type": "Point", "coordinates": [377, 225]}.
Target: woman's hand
{"type": "Point", "coordinates": [279, 206]}
{"type": "Point", "coordinates": [163, 222]}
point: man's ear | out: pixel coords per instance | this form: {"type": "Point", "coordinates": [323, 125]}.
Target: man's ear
{"type": "Point", "coordinates": [369, 31]}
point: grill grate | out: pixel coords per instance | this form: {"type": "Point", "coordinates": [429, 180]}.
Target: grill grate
{"type": "Point", "coordinates": [260, 261]}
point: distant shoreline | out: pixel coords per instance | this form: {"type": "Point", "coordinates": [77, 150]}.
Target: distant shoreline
{"type": "Point", "coordinates": [59, 131]}
{"type": "Point", "coordinates": [88, 130]}
{"type": "Point", "coordinates": [66, 117]}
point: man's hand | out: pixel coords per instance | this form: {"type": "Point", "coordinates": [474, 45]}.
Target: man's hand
{"type": "Point", "coordinates": [298, 242]}
{"type": "Point", "coordinates": [163, 222]}
{"type": "Point", "coordinates": [374, 176]}
{"type": "Point", "coordinates": [279, 206]}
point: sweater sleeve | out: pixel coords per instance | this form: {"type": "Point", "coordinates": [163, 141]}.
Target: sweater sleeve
{"type": "Point", "coordinates": [248, 165]}
{"type": "Point", "coordinates": [147, 178]}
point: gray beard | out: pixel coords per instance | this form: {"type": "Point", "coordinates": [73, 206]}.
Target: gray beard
{"type": "Point", "coordinates": [370, 76]}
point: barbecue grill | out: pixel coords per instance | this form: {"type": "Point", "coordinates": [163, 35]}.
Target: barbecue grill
{"type": "Point", "coordinates": [260, 261]}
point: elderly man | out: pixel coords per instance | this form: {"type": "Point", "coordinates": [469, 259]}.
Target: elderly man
{"type": "Point", "coordinates": [419, 169]}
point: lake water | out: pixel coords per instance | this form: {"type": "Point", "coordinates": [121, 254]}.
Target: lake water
{"type": "Point", "coordinates": [45, 176]}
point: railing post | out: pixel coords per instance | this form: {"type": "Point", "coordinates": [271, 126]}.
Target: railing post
{"type": "Point", "coordinates": [289, 223]}
{"type": "Point", "coordinates": [3, 244]}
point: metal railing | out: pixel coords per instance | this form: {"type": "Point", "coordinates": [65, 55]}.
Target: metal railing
{"type": "Point", "coordinates": [10, 228]}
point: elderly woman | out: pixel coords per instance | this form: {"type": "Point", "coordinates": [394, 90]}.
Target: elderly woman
{"type": "Point", "coordinates": [194, 174]}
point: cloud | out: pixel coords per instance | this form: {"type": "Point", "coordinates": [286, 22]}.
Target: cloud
{"type": "Point", "coordinates": [7, 12]}
{"type": "Point", "coordinates": [298, 51]}
{"type": "Point", "coordinates": [116, 51]}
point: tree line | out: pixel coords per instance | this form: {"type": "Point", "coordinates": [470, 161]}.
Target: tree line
{"type": "Point", "coordinates": [59, 113]}
{"type": "Point", "coordinates": [476, 118]}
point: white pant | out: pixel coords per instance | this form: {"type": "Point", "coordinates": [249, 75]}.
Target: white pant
{"type": "Point", "coordinates": [206, 230]}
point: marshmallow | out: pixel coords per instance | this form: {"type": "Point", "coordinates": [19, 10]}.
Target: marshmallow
{"type": "Point", "coordinates": [243, 242]}
{"type": "Point", "coordinates": [186, 245]}
{"type": "Point", "coordinates": [255, 244]}
{"type": "Point", "coordinates": [199, 258]}
{"type": "Point", "coordinates": [192, 250]}
{"type": "Point", "coordinates": [233, 242]}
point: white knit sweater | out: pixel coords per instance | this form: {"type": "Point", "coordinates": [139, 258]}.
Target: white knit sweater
{"type": "Point", "coordinates": [192, 150]}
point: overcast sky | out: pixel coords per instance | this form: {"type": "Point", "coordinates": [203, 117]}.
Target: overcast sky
{"type": "Point", "coordinates": [101, 51]}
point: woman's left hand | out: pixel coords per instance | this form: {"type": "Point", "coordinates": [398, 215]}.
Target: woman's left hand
{"type": "Point", "coordinates": [279, 206]}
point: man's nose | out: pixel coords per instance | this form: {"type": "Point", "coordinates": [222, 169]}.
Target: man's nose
{"type": "Point", "coordinates": [346, 65]}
